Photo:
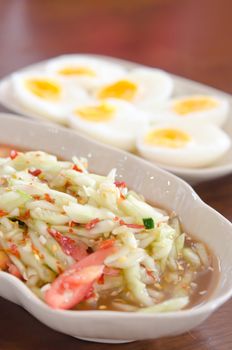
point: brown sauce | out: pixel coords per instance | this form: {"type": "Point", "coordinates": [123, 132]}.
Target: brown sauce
{"type": "Point", "coordinates": [206, 283]}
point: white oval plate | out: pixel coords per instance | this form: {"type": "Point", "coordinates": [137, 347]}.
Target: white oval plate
{"type": "Point", "coordinates": [157, 186]}
{"type": "Point", "coordinates": [182, 86]}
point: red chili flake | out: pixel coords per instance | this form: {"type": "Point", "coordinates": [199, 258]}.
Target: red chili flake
{"type": "Point", "coordinates": [108, 243]}
{"type": "Point", "coordinates": [120, 184]}
{"type": "Point", "coordinates": [71, 223]}
{"type": "Point", "coordinates": [92, 224]}
{"type": "Point", "coordinates": [23, 241]}
{"type": "Point", "coordinates": [135, 226]}
{"type": "Point", "coordinates": [59, 268]}
{"type": "Point", "coordinates": [150, 273]}
{"type": "Point", "coordinates": [121, 222]}
{"type": "Point", "coordinates": [35, 172]}
{"type": "Point", "coordinates": [75, 167]}
{"type": "Point", "coordinates": [69, 246]}
{"type": "Point", "coordinates": [116, 218]}
{"type": "Point", "coordinates": [13, 154]}
{"type": "Point", "coordinates": [101, 279]}
{"type": "Point", "coordinates": [121, 198]}
{"type": "Point", "coordinates": [36, 251]}
{"type": "Point", "coordinates": [48, 198]}
{"type": "Point", "coordinates": [70, 230]}
{"type": "Point", "coordinates": [14, 250]}
{"type": "Point", "coordinates": [3, 213]}
{"type": "Point", "coordinates": [26, 215]}
{"type": "Point", "coordinates": [36, 197]}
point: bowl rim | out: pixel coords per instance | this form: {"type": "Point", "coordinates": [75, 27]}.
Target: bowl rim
{"type": "Point", "coordinates": [205, 308]}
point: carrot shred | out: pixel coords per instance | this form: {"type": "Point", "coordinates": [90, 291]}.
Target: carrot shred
{"type": "Point", "coordinates": [121, 222]}
{"type": "Point", "coordinates": [91, 224]}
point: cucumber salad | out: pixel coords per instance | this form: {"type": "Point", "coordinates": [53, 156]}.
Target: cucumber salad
{"type": "Point", "coordinates": [84, 241]}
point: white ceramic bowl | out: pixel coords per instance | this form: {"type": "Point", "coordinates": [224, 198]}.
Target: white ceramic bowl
{"type": "Point", "coordinates": [157, 186]}
{"type": "Point", "coordinates": [182, 87]}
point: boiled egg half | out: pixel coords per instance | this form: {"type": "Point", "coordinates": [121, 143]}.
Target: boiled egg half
{"type": "Point", "coordinates": [87, 71]}
{"type": "Point", "coordinates": [183, 144]}
{"type": "Point", "coordinates": [111, 121]}
{"type": "Point", "coordinates": [46, 94]}
{"type": "Point", "coordinates": [144, 87]}
{"type": "Point", "coordinates": [195, 108]}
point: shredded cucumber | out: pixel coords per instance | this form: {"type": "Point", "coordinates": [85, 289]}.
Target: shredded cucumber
{"type": "Point", "coordinates": [54, 213]}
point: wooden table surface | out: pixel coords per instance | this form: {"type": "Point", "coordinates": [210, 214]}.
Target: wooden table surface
{"type": "Point", "coordinates": [191, 38]}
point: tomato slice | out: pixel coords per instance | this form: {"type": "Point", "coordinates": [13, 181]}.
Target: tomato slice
{"type": "Point", "coordinates": [110, 271]}
{"type": "Point", "coordinates": [67, 298]}
{"type": "Point", "coordinates": [69, 290]}
{"type": "Point", "coordinates": [84, 276]}
{"type": "Point", "coordinates": [13, 270]}
{"type": "Point", "coordinates": [96, 258]}
{"type": "Point", "coordinates": [4, 260]}
{"type": "Point", "coordinates": [69, 246]}
{"type": "Point", "coordinates": [74, 284]}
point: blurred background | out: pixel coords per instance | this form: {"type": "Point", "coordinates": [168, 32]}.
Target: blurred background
{"type": "Point", "coordinates": [191, 38]}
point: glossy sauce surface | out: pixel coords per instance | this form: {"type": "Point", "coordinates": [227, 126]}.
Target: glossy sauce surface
{"type": "Point", "coordinates": [199, 290]}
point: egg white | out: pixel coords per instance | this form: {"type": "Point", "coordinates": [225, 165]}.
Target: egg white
{"type": "Point", "coordinates": [207, 144]}
{"type": "Point", "coordinates": [104, 71]}
{"type": "Point", "coordinates": [120, 131]}
{"type": "Point", "coordinates": [216, 115]}
{"type": "Point", "coordinates": [154, 86]}
{"type": "Point", "coordinates": [55, 110]}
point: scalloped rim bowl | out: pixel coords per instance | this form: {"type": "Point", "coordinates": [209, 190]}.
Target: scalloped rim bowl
{"type": "Point", "coordinates": [157, 186]}
{"type": "Point", "coordinates": [182, 87]}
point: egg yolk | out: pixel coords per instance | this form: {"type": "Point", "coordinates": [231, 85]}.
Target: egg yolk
{"type": "Point", "coordinates": [77, 71]}
{"type": "Point", "coordinates": [122, 89]}
{"type": "Point", "coordinates": [101, 113]}
{"type": "Point", "coordinates": [45, 89]}
{"type": "Point", "coordinates": [170, 138]}
{"type": "Point", "coordinates": [194, 104]}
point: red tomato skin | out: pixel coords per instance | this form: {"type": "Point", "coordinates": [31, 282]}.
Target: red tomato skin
{"type": "Point", "coordinates": [58, 301]}
{"type": "Point", "coordinates": [13, 270]}
{"type": "Point", "coordinates": [66, 291]}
